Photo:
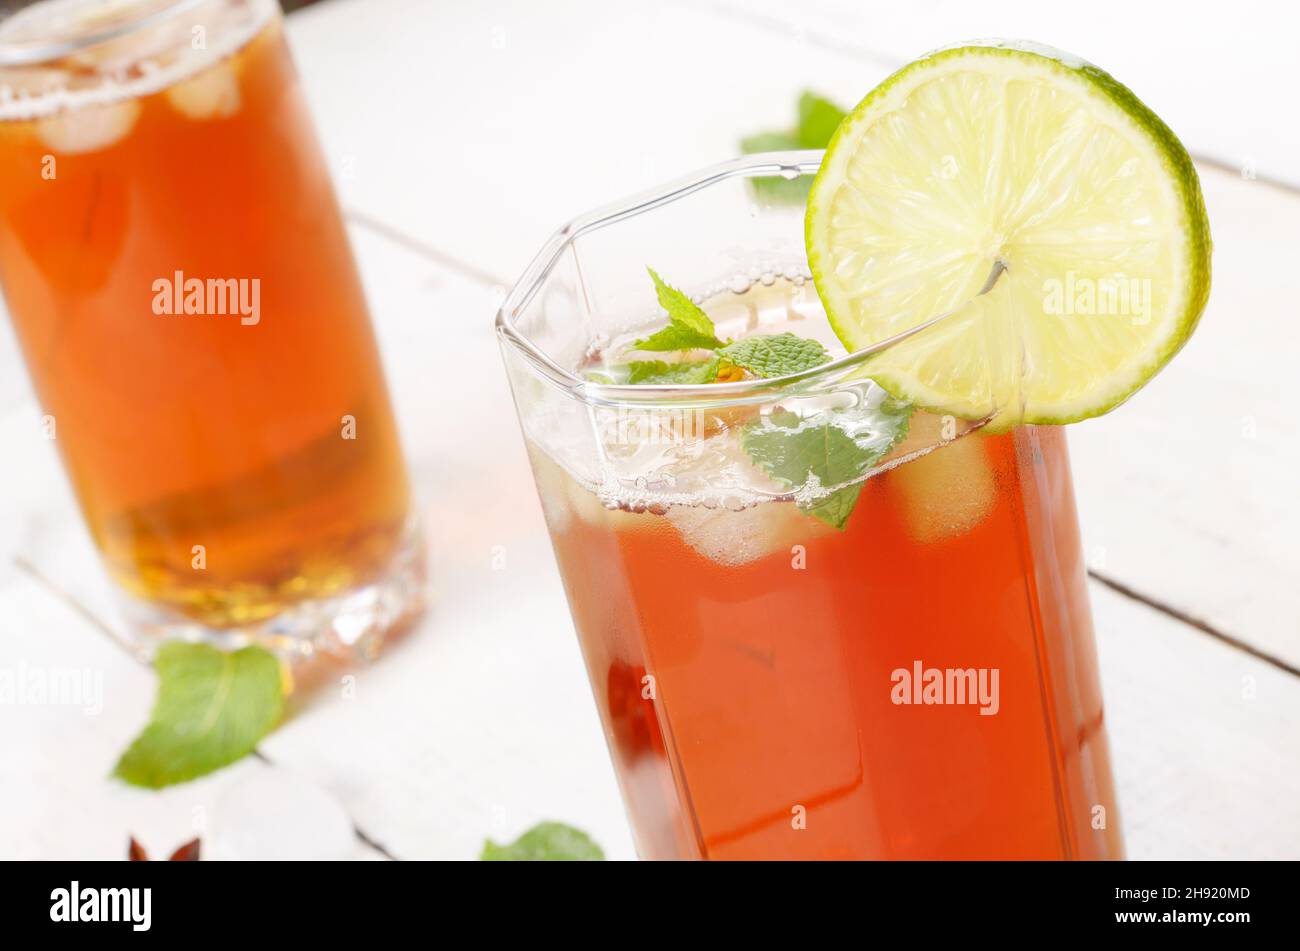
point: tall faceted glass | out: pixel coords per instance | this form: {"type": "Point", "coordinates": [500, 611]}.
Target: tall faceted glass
{"type": "Point", "coordinates": [899, 665]}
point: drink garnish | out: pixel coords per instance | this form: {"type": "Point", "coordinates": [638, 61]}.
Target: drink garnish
{"type": "Point", "coordinates": [767, 356]}
{"type": "Point", "coordinates": [682, 373]}
{"type": "Point", "coordinates": [1020, 153]}
{"type": "Point", "coordinates": [762, 356]}
{"type": "Point", "coordinates": [831, 450]}
{"type": "Point", "coordinates": [213, 707]}
{"type": "Point", "coordinates": [689, 327]}
{"type": "Point", "coordinates": [822, 457]}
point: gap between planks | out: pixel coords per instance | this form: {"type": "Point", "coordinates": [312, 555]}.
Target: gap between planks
{"type": "Point", "coordinates": [1204, 627]}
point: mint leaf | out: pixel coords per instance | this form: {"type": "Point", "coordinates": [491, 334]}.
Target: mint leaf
{"type": "Point", "coordinates": [773, 355]}
{"type": "Point", "coordinates": [769, 142]}
{"type": "Point", "coordinates": [774, 188]}
{"type": "Point", "coordinates": [836, 508]}
{"type": "Point", "coordinates": [833, 446]}
{"type": "Point", "coordinates": [545, 842]}
{"type": "Point", "coordinates": [675, 337]}
{"type": "Point", "coordinates": [212, 708]}
{"type": "Point", "coordinates": [685, 372]}
{"type": "Point", "coordinates": [689, 327]}
{"type": "Point", "coordinates": [818, 120]}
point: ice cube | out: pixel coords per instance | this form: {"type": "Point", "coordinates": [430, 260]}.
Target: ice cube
{"type": "Point", "coordinates": [564, 498]}
{"type": "Point", "coordinates": [948, 491]}
{"type": "Point", "coordinates": [735, 538]}
{"type": "Point", "coordinates": [552, 489]}
{"type": "Point", "coordinates": [89, 128]}
{"type": "Point", "coordinates": [212, 94]}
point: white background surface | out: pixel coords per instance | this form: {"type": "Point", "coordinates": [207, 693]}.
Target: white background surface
{"type": "Point", "coordinates": [461, 135]}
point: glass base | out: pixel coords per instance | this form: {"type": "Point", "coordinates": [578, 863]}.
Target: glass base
{"type": "Point", "coordinates": [352, 625]}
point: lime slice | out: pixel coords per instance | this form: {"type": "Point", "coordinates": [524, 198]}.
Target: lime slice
{"type": "Point", "coordinates": [1026, 155]}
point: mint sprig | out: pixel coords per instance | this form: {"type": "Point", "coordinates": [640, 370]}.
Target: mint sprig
{"type": "Point", "coordinates": [545, 842]}
{"type": "Point", "coordinates": [213, 707]}
{"type": "Point", "coordinates": [835, 447]}
{"type": "Point", "coordinates": [689, 327]}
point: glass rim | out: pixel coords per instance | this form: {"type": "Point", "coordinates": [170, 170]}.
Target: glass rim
{"type": "Point", "coordinates": [787, 164]}
{"type": "Point", "coordinates": [33, 52]}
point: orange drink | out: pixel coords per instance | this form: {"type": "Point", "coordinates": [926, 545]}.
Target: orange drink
{"type": "Point", "coordinates": [176, 266]}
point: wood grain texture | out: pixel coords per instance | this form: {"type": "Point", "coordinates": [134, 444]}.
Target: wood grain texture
{"type": "Point", "coordinates": [461, 135]}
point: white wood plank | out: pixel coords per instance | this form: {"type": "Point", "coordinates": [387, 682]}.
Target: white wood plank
{"type": "Point", "coordinates": [1221, 77]}
{"type": "Point", "coordinates": [482, 127]}
{"type": "Point", "coordinates": [71, 699]}
{"type": "Point", "coordinates": [60, 744]}
{"type": "Point", "coordinates": [1188, 492]}
{"type": "Point", "coordinates": [1203, 739]}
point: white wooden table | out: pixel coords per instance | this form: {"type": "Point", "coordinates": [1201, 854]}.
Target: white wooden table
{"type": "Point", "coordinates": [461, 134]}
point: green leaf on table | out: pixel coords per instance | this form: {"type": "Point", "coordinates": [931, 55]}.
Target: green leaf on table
{"type": "Point", "coordinates": [681, 373]}
{"type": "Point", "coordinates": [545, 842]}
{"type": "Point", "coordinates": [212, 709]}
{"type": "Point", "coordinates": [689, 327]}
{"type": "Point", "coordinates": [834, 447]}
{"type": "Point", "coordinates": [771, 355]}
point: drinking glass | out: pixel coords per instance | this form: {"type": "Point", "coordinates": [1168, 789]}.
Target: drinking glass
{"type": "Point", "coordinates": [897, 665]}
{"type": "Point", "coordinates": [176, 267]}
